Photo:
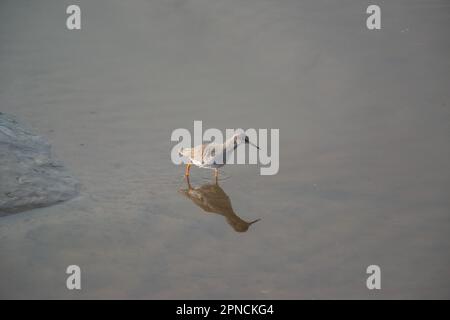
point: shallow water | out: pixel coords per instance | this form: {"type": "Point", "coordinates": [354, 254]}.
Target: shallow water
{"type": "Point", "coordinates": [364, 119]}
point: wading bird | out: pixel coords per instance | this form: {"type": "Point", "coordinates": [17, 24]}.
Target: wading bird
{"type": "Point", "coordinates": [212, 155]}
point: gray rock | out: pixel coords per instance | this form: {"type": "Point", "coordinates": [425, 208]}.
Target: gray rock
{"type": "Point", "coordinates": [30, 177]}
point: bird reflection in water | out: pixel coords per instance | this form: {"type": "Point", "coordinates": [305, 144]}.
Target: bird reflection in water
{"type": "Point", "coordinates": [211, 198]}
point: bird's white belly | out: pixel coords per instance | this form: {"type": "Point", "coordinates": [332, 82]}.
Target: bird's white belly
{"type": "Point", "coordinates": [210, 162]}
{"type": "Point", "coordinates": [208, 165]}
{"type": "Point", "coordinates": [207, 159]}
{"type": "Point", "coordinates": [211, 166]}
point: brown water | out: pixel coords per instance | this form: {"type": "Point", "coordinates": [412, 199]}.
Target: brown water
{"type": "Point", "coordinates": [364, 119]}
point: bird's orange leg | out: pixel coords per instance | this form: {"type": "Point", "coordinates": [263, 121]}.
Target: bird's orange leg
{"type": "Point", "coordinates": [216, 174]}
{"type": "Point", "coordinates": [188, 183]}
{"type": "Point", "coordinates": [186, 172]}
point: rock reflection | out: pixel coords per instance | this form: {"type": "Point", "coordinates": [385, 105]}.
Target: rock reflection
{"type": "Point", "coordinates": [213, 199]}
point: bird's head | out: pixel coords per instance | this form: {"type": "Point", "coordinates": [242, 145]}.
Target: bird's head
{"type": "Point", "coordinates": [241, 137]}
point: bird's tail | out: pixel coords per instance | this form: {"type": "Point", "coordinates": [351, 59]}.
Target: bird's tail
{"type": "Point", "coordinates": [184, 153]}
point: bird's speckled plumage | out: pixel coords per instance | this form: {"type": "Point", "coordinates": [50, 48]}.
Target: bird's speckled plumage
{"type": "Point", "coordinates": [212, 155]}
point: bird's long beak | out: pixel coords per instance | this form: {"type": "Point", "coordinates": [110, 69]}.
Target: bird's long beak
{"type": "Point", "coordinates": [254, 145]}
{"type": "Point", "coordinates": [248, 141]}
